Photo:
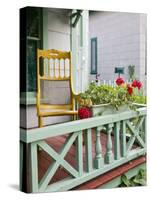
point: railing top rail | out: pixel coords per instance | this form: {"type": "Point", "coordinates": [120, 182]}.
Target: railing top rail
{"type": "Point", "coordinates": [37, 134]}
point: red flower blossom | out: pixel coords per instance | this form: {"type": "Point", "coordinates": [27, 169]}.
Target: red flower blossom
{"type": "Point", "coordinates": [137, 84]}
{"type": "Point", "coordinates": [84, 112]}
{"type": "Point", "coordinates": [119, 81]}
{"type": "Point", "coordinates": [129, 89]}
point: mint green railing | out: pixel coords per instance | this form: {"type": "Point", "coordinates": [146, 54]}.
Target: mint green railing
{"type": "Point", "coordinates": [118, 125]}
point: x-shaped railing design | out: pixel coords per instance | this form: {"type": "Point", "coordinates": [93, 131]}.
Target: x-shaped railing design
{"type": "Point", "coordinates": [135, 130]}
{"type": "Point", "coordinates": [58, 160]}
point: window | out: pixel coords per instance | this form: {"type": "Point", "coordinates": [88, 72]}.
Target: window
{"type": "Point", "coordinates": [30, 40]}
{"type": "Point", "coordinates": [93, 55]}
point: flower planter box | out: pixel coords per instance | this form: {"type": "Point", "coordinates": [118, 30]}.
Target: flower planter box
{"type": "Point", "coordinates": [105, 109]}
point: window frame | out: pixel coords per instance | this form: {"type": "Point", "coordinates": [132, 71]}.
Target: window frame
{"type": "Point", "coordinates": [29, 97]}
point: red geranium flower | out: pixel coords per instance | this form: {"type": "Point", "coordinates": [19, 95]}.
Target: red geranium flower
{"type": "Point", "coordinates": [129, 89]}
{"type": "Point", "coordinates": [137, 84]}
{"type": "Point", "coordinates": [119, 81]}
{"type": "Point", "coordinates": [84, 112]}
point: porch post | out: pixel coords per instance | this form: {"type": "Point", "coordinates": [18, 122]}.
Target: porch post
{"type": "Point", "coordinates": [79, 48]}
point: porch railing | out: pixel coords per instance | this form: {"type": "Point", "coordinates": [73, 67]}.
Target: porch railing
{"type": "Point", "coordinates": [122, 150]}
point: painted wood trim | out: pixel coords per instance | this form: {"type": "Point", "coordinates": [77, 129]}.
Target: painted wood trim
{"type": "Point", "coordinates": [48, 176]}
{"type": "Point", "coordinates": [88, 150]}
{"type": "Point", "coordinates": [78, 125]}
{"type": "Point", "coordinates": [34, 167]}
{"type": "Point", "coordinates": [52, 169]}
{"type": "Point", "coordinates": [123, 138]}
{"type": "Point", "coordinates": [109, 157]}
{"type": "Point", "coordinates": [79, 153]}
{"type": "Point", "coordinates": [71, 183]}
{"type": "Point", "coordinates": [130, 143]}
{"type": "Point", "coordinates": [58, 158]}
{"type": "Point", "coordinates": [29, 100]}
{"type": "Point", "coordinates": [99, 160]}
{"type": "Point", "coordinates": [117, 141]}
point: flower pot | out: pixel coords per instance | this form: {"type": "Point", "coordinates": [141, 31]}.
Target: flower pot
{"type": "Point", "coordinates": [105, 109]}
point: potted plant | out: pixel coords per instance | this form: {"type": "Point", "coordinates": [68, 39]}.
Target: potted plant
{"type": "Point", "coordinates": [105, 99]}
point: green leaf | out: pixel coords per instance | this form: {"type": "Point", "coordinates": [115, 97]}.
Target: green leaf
{"type": "Point", "coordinates": [140, 181]}
{"type": "Point", "coordinates": [125, 180]}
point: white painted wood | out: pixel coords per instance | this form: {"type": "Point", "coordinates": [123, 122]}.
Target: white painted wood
{"type": "Point", "coordinates": [79, 47]}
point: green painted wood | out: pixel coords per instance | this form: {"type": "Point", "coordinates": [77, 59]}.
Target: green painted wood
{"type": "Point", "coordinates": [99, 160]}
{"type": "Point", "coordinates": [79, 153]}
{"type": "Point", "coordinates": [130, 143]}
{"type": "Point", "coordinates": [140, 141]}
{"type": "Point", "coordinates": [123, 138]}
{"type": "Point", "coordinates": [132, 128]}
{"type": "Point", "coordinates": [109, 153]}
{"type": "Point", "coordinates": [28, 98]}
{"type": "Point", "coordinates": [21, 166]}
{"type": "Point", "coordinates": [58, 158]}
{"type": "Point", "coordinates": [34, 168]}
{"type": "Point", "coordinates": [140, 122]}
{"type": "Point", "coordinates": [139, 128]}
{"type": "Point", "coordinates": [117, 181]}
{"type": "Point", "coordinates": [27, 101]}
{"type": "Point", "coordinates": [144, 128]}
{"type": "Point", "coordinates": [71, 183]}
{"type": "Point", "coordinates": [53, 168]}
{"type": "Point", "coordinates": [88, 150]}
{"type": "Point", "coordinates": [135, 136]}
{"type": "Point", "coordinates": [59, 129]}
{"type": "Point", "coordinates": [117, 141]}
{"type": "Point", "coordinates": [48, 176]}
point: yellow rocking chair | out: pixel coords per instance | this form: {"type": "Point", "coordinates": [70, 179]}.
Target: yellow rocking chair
{"type": "Point", "coordinates": [48, 70]}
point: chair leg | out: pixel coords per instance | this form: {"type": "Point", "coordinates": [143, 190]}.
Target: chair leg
{"type": "Point", "coordinates": [40, 122]}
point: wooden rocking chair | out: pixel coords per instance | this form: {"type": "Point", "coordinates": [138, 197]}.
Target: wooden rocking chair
{"type": "Point", "coordinates": [47, 70]}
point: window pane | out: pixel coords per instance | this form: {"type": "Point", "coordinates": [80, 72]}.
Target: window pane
{"type": "Point", "coordinates": [33, 22]}
{"type": "Point", "coordinates": [31, 65]}
{"type": "Point", "coordinates": [30, 40]}
{"type": "Point", "coordinates": [93, 55]}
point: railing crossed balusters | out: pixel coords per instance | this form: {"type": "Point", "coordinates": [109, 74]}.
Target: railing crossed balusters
{"type": "Point", "coordinates": [119, 148]}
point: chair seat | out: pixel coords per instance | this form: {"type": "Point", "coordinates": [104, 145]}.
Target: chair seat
{"type": "Point", "coordinates": [57, 112]}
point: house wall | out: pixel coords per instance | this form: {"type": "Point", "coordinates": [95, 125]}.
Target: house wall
{"type": "Point", "coordinates": [121, 42]}
{"type": "Point", "coordinates": [58, 38]}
